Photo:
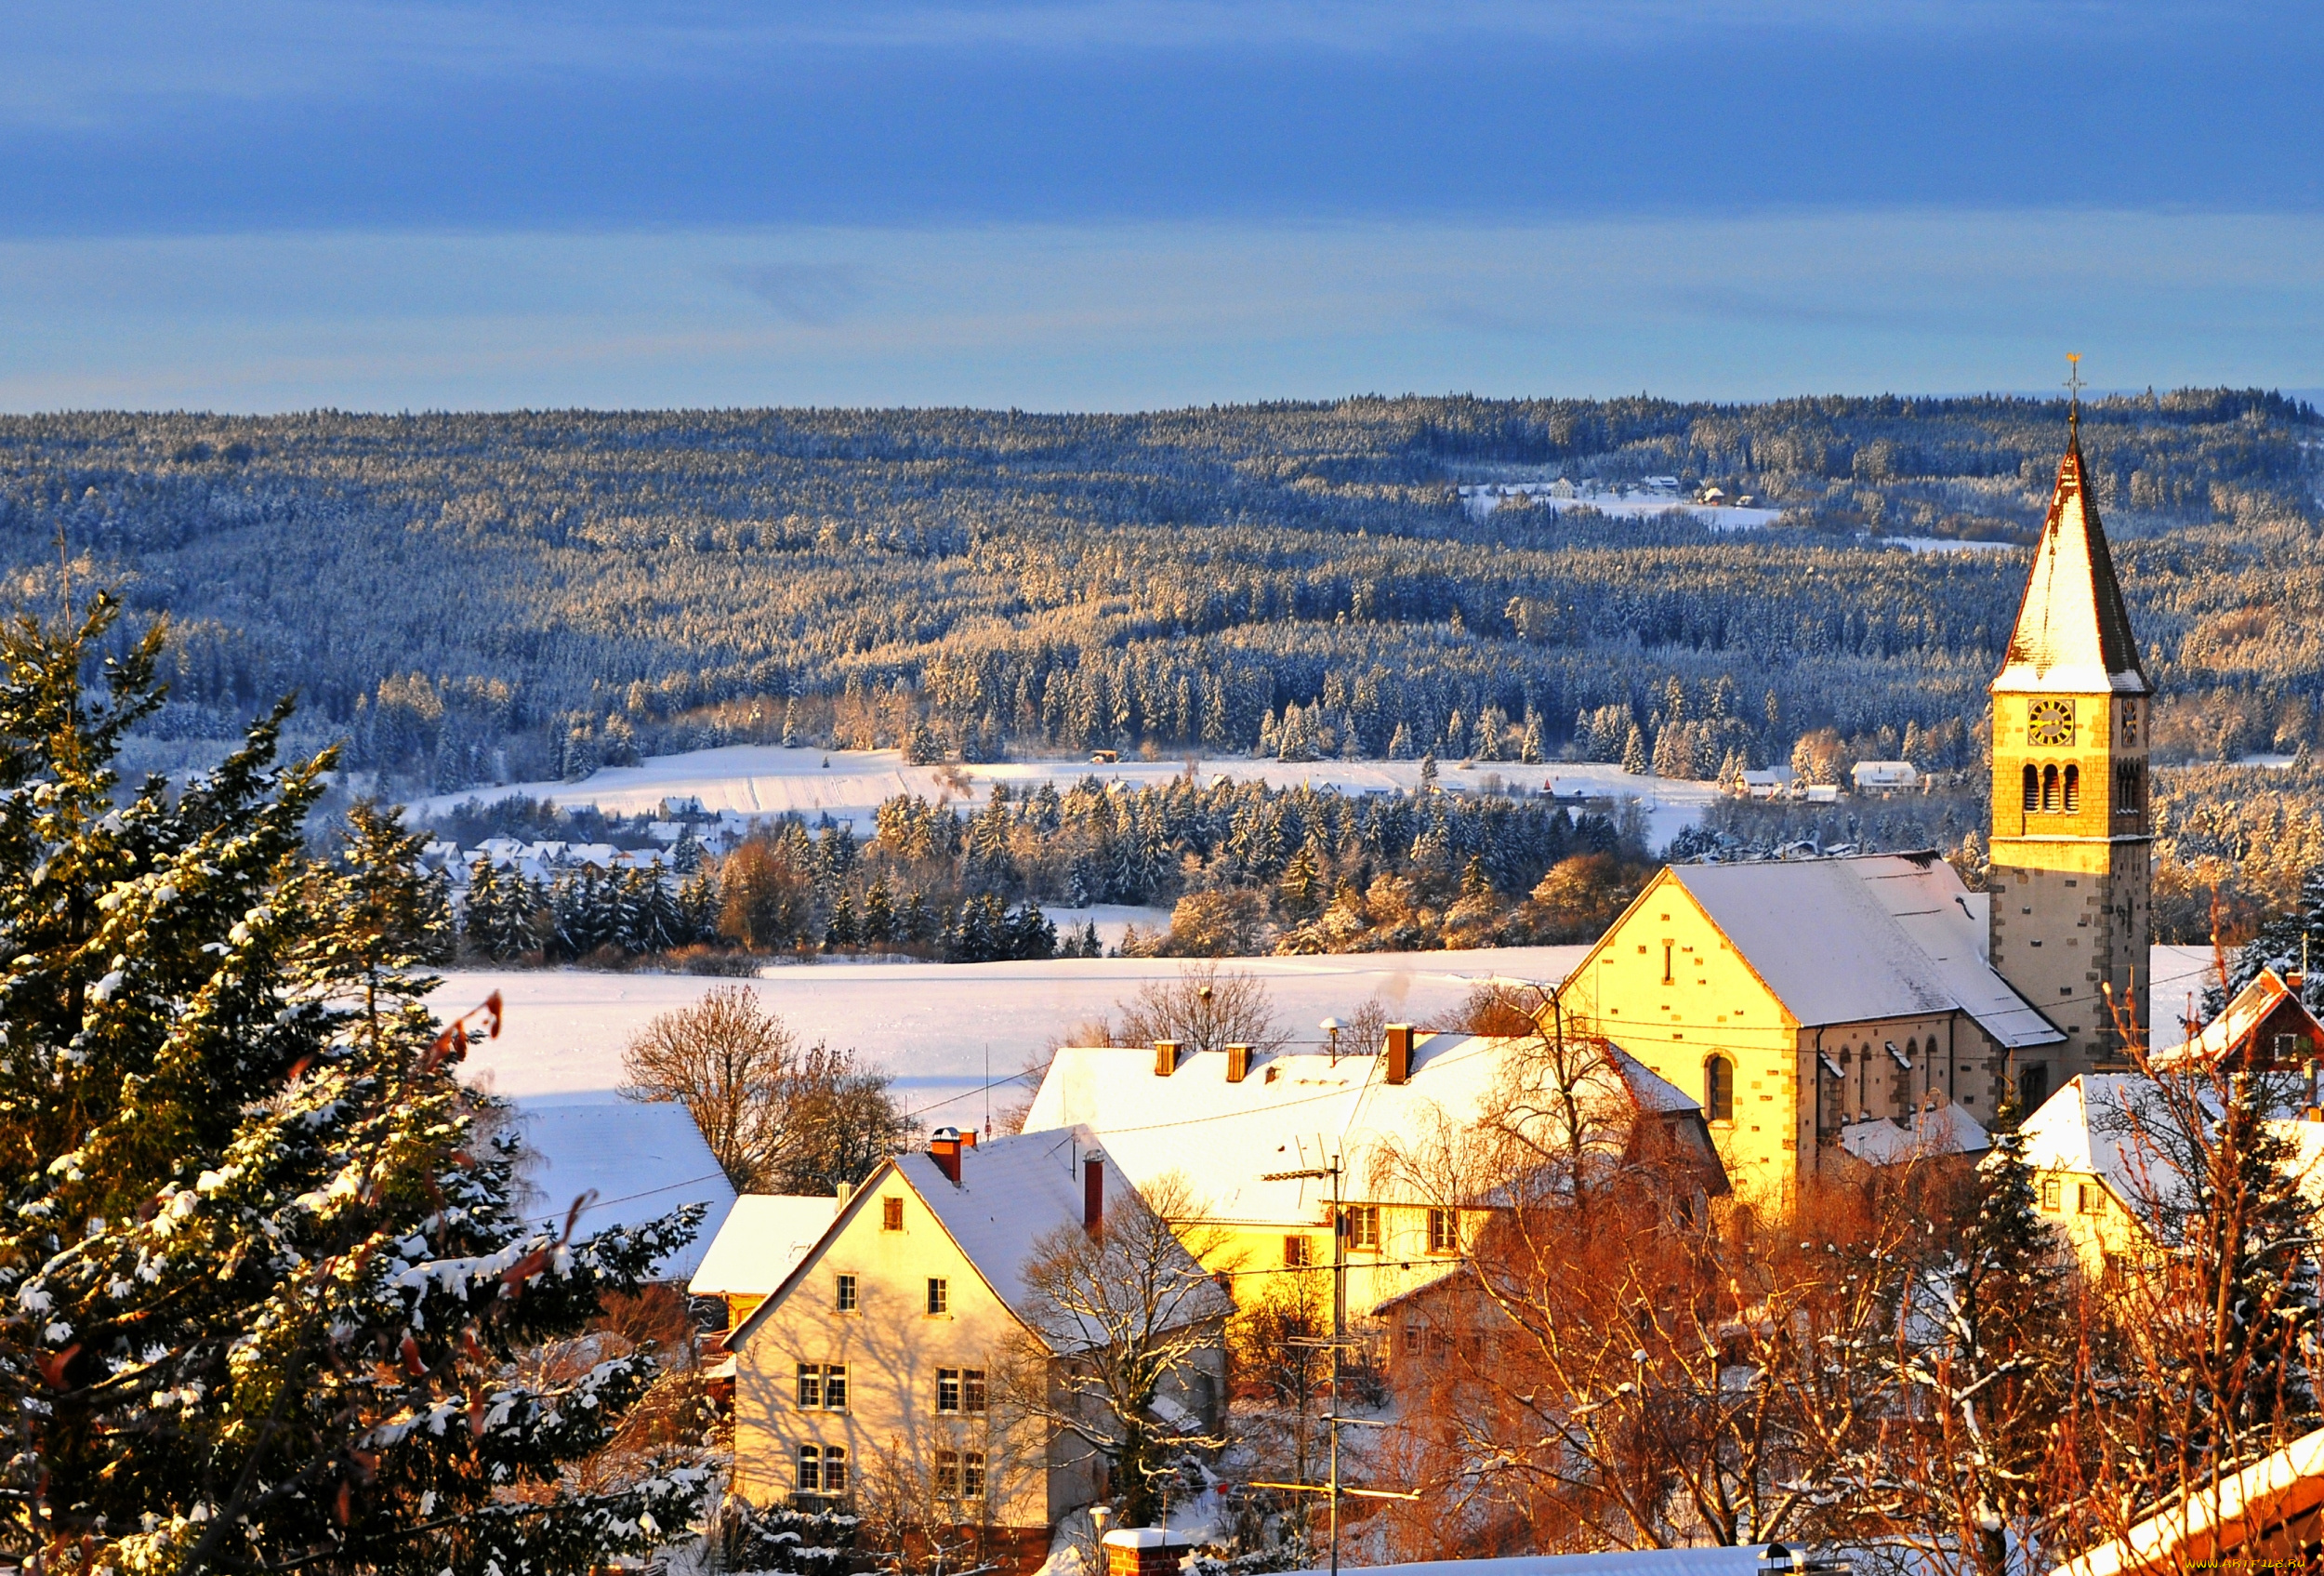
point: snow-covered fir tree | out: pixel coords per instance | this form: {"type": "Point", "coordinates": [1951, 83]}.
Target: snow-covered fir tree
{"type": "Point", "coordinates": [266, 1287]}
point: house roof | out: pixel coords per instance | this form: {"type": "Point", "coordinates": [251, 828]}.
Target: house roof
{"type": "Point", "coordinates": [765, 1235]}
{"type": "Point", "coordinates": [2241, 1019]}
{"type": "Point", "coordinates": [629, 1162]}
{"type": "Point", "coordinates": [2107, 1125]}
{"type": "Point", "coordinates": [2239, 1510]}
{"type": "Point", "coordinates": [1294, 1110]}
{"type": "Point", "coordinates": [1877, 935]}
{"type": "Point", "coordinates": [2073, 633]}
{"type": "Point", "coordinates": [1944, 1129]}
{"type": "Point", "coordinates": [1013, 1193]}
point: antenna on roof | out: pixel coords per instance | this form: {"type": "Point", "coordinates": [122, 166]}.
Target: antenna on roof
{"type": "Point", "coordinates": [2073, 395]}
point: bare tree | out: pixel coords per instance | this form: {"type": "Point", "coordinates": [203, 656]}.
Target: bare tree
{"type": "Point", "coordinates": [1122, 1325]}
{"type": "Point", "coordinates": [777, 1118]}
{"type": "Point", "coordinates": [1207, 1008]}
{"type": "Point", "coordinates": [724, 1059]}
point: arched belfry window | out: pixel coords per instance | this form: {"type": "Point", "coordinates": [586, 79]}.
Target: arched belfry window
{"type": "Point", "coordinates": [1717, 1089]}
{"type": "Point", "coordinates": [2050, 788]}
{"type": "Point", "coordinates": [2073, 790]}
{"type": "Point", "coordinates": [2033, 789]}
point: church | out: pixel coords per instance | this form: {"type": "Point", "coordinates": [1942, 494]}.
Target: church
{"type": "Point", "coordinates": [1834, 1012]}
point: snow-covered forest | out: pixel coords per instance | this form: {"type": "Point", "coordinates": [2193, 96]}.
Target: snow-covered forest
{"type": "Point", "coordinates": [472, 598]}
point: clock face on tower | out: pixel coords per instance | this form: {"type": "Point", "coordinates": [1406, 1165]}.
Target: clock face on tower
{"type": "Point", "coordinates": [2050, 721]}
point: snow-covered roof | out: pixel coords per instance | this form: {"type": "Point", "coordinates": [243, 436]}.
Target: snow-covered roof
{"type": "Point", "coordinates": [2241, 1019]}
{"type": "Point", "coordinates": [1944, 1129]}
{"type": "Point", "coordinates": [2194, 1533]}
{"type": "Point", "coordinates": [1876, 936]}
{"type": "Point", "coordinates": [765, 1236]}
{"type": "Point", "coordinates": [1013, 1192]}
{"type": "Point", "coordinates": [1296, 1110]}
{"type": "Point", "coordinates": [2119, 1127]}
{"type": "Point", "coordinates": [2073, 634]}
{"type": "Point", "coordinates": [640, 1160]}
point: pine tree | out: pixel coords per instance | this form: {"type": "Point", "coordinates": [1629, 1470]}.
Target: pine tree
{"type": "Point", "coordinates": [880, 914]}
{"type": "Point", "coordinates": [1635, 752]}
{"type": "Point", "coordinates": [790, 723]}
{"type": "Point", "coordinates": [698, 909]}
{"type": "Point", "coordinates": [1530, 751]}
{"type": "Point", "coordinates": [1400, 743]}
{"type": "Point", "coordinates": [259, 1241]}
{"type": "Point", "coordinates": [1428, 771]}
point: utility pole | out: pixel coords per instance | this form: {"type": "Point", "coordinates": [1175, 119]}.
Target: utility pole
{"type": "Point", "coordinates": [1339, 1341]}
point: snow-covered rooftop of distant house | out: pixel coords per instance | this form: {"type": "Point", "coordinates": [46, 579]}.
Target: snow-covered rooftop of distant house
{"type": "Point", "coordinates": [2216, 1522]}
{"type": "Point", "coordinates": [640, 1161]}
{"type": "Point", "coordinates": [2119, 1127]}
{"type": "Point", "coordinates": [1295, 1109]}
{"type": "Point", "coordinates": [1944, 1129]}
{"type": "Point", "coordinates": [2242, 1017]}
{"type": "Point", "coordinates": [1875, 936]}
{"type": "Point", "coordinates": [764, 1235]}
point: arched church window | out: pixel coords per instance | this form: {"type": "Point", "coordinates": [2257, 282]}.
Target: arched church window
{"type": "Point", "coordinates": [2050, 788]}
{"type": "Point", "coordinates": [2033, 789]}
{"type": "Point", "coordinates": [1717, 1089]}
{"type": "Point", "coordinates": [2073, 790]}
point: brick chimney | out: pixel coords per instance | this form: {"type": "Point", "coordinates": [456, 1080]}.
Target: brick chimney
{"type": "Point", "coordinates": [943, 1147]}
{"type": "Point", "coordinates": [1144, 1551]}
{"type": "Point", "coordinates": [1237, 1062]}
{"type": "Point", "coordinates": [1093, 1193]}
{"type": "Point", "coordinates": [1400, 1052]}
{"type": "Point", "coordinates": [1165, 1057]}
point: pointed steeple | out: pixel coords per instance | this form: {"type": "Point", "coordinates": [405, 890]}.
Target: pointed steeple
{"type": "Point", "coordinates": [2073, 634]}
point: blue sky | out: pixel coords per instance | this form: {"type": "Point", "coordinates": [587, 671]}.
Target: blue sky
{"type": "Point", "coordinates": [243, 205]}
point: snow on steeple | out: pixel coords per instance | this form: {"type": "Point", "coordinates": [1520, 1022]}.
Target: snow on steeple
{"type": "Point", "coordinates": [2073, 634]}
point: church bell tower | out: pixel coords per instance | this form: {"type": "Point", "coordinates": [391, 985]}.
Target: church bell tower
{"type": "Point", "coordinates": [2071, 877]}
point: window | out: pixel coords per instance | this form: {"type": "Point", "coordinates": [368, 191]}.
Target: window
{"type": "Point", "coordinates": [2050, 1193]}
{"type": "Point", "coordinates": [2050, 788]}
{"type": "Point", "coordinates": [2033, 1084]}
{"type": "Point", "coordinates": [948, 1392]}
{"type": "Point", "coordinates": [1297, 1253]}
{"type": "Point", "coordinates": [1444, 1231]}
{"type": "Point", "coordinates": [2089, 1199]}
{"type": "Point", "coordinates": [1717, 1089]}
{"type": "Point", "coordinates": [2033, 789]}
{"type": "Point", "coordinates": [1666, 963]}
{"type": "Point", "coordinates": [843, 1293]}
{"type": "Point", "coordinates": [972, 1390]}
{"type": "Point", "coordinates": [822, 1470]}
{"type": "Point", "coordinates": [971, 1474]}
{"type": "Point", "coordinates": [947, 1475]}
{"type": "Point", "coordinates": [891, 1214]}
{"type": "Point", "coordinates": [809, 1476]}
{"type": "Point", "coordinates": [834, 1469]}
{"type": "Point", "coordinates": [2073, 790]}
{"type": "Point", "coordinates": [1413, 1335]}
{"type": "Point", "coordinates": [823, 1386]}
{"type": "Point", "coordinates": [2129, 787]}
{"type": "Point", "coordinates": [1363, 1225]}
{"type": "Point", "coordinates": [938, 1295]}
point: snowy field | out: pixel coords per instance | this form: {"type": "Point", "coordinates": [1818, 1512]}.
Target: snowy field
{"type": "Point", "coordinates": [954, 1037]}
{"type": "Point", "coordinates": [1483, 499]}
{"type": "Point", "coordinates": [767, 780]}
{"type": "Point", "coordinates": [1946, 544]}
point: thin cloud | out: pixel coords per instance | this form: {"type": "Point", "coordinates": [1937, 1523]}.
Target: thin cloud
{"type": "Point", "coordinates": [816, 294]}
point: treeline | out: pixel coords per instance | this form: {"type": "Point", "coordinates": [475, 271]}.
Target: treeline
{"type": "Point", "coordinates": [1244, 867]}
{"type": "Point", "coordinates": [573, 588]}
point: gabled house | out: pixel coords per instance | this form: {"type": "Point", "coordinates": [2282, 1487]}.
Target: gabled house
{"type": "Point", "coordinates": [2265, 1026]}
{"type": "Point", "coordinates": [879, 1353]}
{"type": "Point", "coordinates": [1252, 1135]}
{"type": "Point", "coordinates": [762, 1240]}
{"type": "Point", "coordinates": [1795, 1000]}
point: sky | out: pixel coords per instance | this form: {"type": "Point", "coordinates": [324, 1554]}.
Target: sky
{"type": "Point", "coordinates": [267, 204]}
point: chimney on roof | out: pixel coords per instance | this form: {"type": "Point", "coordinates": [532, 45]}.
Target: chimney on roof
{"type": "Point", "coordinates": [943, 1147]}
{"type": "Point", "coordinates": [1237, 1062]}
{"type": "Point", "coordinates": [1165, 1057]}
{"type": "Point", "coordinates": [1399, 1053]}
{"type": "Point", "coordinates": [1093, 1193]}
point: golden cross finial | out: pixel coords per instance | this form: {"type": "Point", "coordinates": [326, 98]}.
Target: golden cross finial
{"type": "Point", "coordinates": [2074, 392]}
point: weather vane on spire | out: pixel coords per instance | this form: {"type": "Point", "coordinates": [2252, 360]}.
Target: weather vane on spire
{"type": "Point", "coordinates": [2073, 392]}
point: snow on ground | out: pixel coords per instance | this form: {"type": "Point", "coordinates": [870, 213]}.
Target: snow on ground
{"type": "Point", "coordinates": [767, 780]}
{"type": "Point", "coordinates": [1629, 504]}
{"type": "Point", "coordinates": [1946, 543]}
{"type": "Point", "coordinates": [937, 1028]}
